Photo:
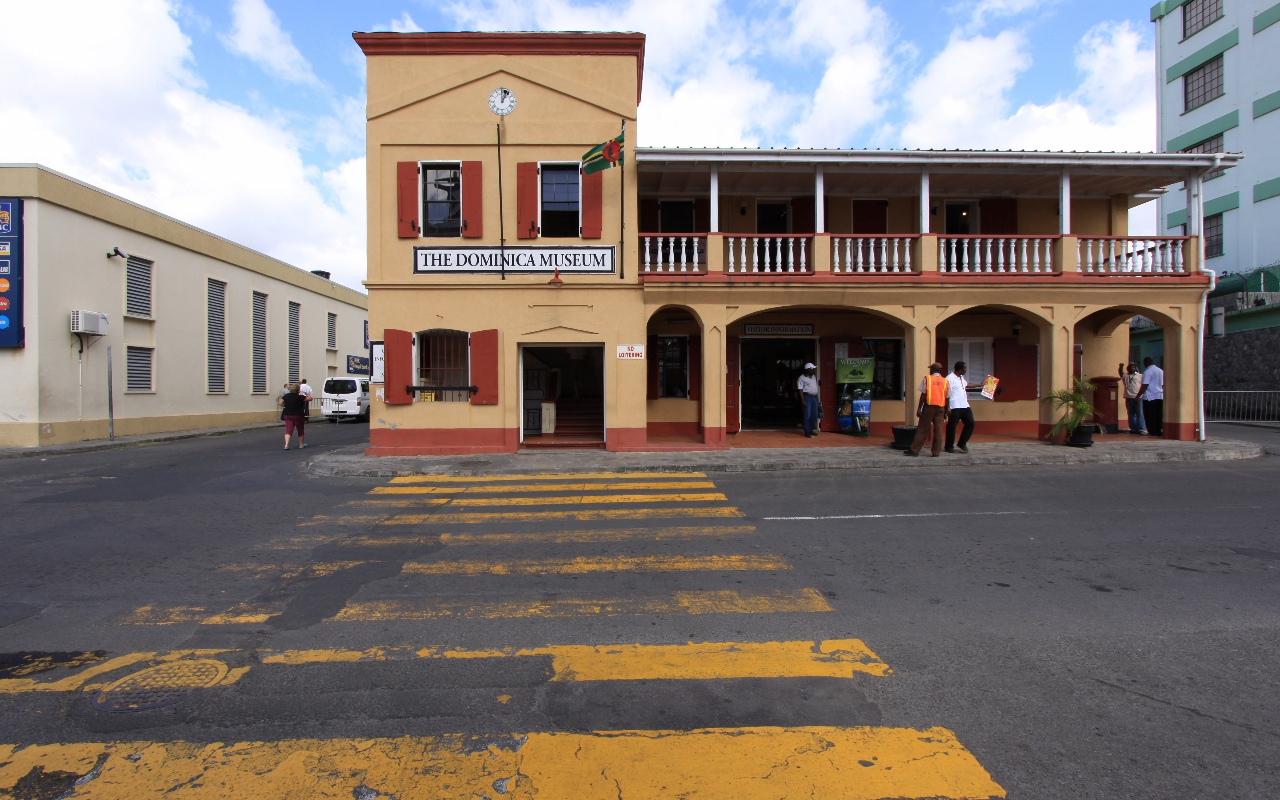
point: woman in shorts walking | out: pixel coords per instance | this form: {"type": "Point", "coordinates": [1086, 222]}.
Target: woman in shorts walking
{"type": "Point", "coordinates": [294, 413]}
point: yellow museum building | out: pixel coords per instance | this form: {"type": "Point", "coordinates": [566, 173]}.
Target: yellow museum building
{"type": "Point", "coordinates": [524, 301]}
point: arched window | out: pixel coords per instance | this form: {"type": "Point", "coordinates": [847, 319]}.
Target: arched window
{"type": "Point", "coordinates": [443, 361]}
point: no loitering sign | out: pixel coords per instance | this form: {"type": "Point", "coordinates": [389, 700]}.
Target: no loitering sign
{"type": "Point", "coordinates": [631, 351]}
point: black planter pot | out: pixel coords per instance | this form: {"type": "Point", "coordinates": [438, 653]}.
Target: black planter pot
{"type": "Point", "coordinates": [1082, 436]}
{"type": "Point", "coordinates": [903, 435]}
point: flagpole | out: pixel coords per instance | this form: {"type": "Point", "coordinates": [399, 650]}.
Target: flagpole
{"type": "Point", "coordinates": [622, 209]}
{"type": "Point", "coordinates": [502, 230]}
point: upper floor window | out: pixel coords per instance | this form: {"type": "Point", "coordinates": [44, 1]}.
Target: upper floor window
{"type": "Point", "coordinates": [1213, 236]}
{"type": "Point", "coordinates": [1203, 84]}
{"type": "Point", "coordinates": [441, 199]}
{"type": "Point", "coordinates": [1199, 14]}
{"type": "Point", "coordinates": [1214, 145]}
{"type": "Point", "coordinates": [560, 200]}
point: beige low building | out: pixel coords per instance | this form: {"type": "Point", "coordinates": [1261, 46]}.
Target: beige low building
{"type": "Point", "coordinates": [671, 302]}
{"type": "Point", "coordinates": [202, 332]}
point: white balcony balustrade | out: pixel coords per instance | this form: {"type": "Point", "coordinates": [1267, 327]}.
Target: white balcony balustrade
{"type": "Point", "coordinates": [1120, 254]}
{"type": "Point", "coordinates": [676, 253]}
{"type": "Point", "coordinates": [880, 254]}
{"type": "Point", "coordinates": [990, 255]}
{"type": "Point", "coordinates": [766, 253]}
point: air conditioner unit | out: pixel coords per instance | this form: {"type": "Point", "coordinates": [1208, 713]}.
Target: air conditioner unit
{"type": "Point", "coordinates": [90, 323]}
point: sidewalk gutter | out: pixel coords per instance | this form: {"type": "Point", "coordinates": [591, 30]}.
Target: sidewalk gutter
{"type": "Point", "coordinates": [126, 441]}
{"type": "Point", "coordinates": [352, 462]}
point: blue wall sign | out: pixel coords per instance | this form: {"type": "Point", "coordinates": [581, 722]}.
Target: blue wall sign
{"type": "Point", "coordinates": [12, 332]}
{"type": "Point", "coordinates": [357, 365]}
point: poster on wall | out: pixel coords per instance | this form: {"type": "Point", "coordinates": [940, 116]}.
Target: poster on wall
{"type": "Point", "coordinates": [12, 330]}
{"type": "Point", "coordinates": [376, 362]}
{"type": "Point", "coordinates": [357, 365]}
{"type": "Point", "coordinates": [855, 370]}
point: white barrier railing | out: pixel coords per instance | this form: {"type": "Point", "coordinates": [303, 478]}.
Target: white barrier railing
{"type": "Point", "coordinates": [1258, 406]}
{"type": "Point", "coordinates": [765, 253]}
{"type": "Point", "coordinates": [673, 253]}
{"type": "Point", "coordinates": [871, 253]}
{"type": "Point", "coordinates": [996, 254]}
{"type": "Point", "coordinates": [1108, 254]}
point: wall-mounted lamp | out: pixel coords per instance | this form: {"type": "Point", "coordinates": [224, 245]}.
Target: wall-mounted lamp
{"type": "Point", "coordinates": [742, 209]}
{"type": "Point", "coordinates": [115, 251]}
{"type": "Point", "coordinates": [1017, 328]}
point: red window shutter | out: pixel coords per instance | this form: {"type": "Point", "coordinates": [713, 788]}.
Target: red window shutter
{"type": "Point", "coordinates": [651, 215]}
{"type": "Point", "coordinates": [701, 215]}
{"type": "Point", "coordinates": [1015, 365]}
{"type": "Point", "coordinates": [651, 366]}
{"type": "Point", "coordinates": [695, 368]}
{"type": "Point", "coordinates": [527, 200]}
{"type": "Point", "coordinates": [397, 351]}
{"type": "Point", "coordinates": [592, 205]}
{"type": "Point", "coordinates": [484, 367]}
{"type": "Point", "coordinates": [827, 383]}
{"type": "Point", "coordinates": [870, 216]}
{"type": "Point", "coordinates": [472, 199]}
{"type": "Point", "coordinates": [407, 199]}
{"type": "Point", "coordinates": [732, 420]}
{"type": "Point", "coordinates": [999, 216]}
{"type": "Point", "coordinates": [802, 215]}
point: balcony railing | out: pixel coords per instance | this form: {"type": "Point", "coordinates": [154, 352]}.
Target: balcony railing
{"type": "Point", "coordinates": [885, 254]}
{"type": "Point", "coordinates": [996, 254]}
{"type": "Point", "coordinates": [1118, 254]}
{"type": "Point", "coordinates": [680, 253]}
{"type": "Point", "coordinates": [769, 253]}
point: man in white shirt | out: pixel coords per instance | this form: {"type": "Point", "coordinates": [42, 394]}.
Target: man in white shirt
{"type": "Point", "coordinates": [807, 383]}
{"type": "Point", "coordinates": [958, 403]}
{"type": "Point", "coordinates": [304, 389]}
{"type": "Point", "coordinates": [1152, 395]}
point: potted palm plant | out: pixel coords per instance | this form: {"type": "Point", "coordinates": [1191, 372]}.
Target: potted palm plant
{"type": "Point", "coordinates": [1075, 407]}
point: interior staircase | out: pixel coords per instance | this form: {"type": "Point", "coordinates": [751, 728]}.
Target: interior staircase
{"type": "Point", "coordinates": [579, 426]}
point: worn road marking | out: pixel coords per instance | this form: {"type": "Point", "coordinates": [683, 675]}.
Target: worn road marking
{"type": "Point", "coordinates": [709, 764]}
{"type": "Point", "coordinates": [548, 476]}
{"type": "Point", "coordinates": [250, 612]}
{"type": "Point", "coordinates": [584, 515]}
{"type": "Point", "coordinates": [936, 514]}
{"type": "Point", "coordinates": [81, 679]}
{"type": "Point", "coordinates": [718, 602]}
{"type": "Point", "coordinates": [586, 564]}
{"type": "Point", "coordinates": [570, 537]}
{"type": "Point", "coordinates": [314, 569]}
{"type": "Point", "coordinates": [836, 658]}
{"type": "Point", "coordinates": [544, 487]}
{"type": "Point", "coordinates": [584, 499]}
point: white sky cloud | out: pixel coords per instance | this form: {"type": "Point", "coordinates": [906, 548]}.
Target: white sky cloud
{"type": "Point", "coordinates": [109, 96]}
{"type": "Point", "coordinates": [256, 35]}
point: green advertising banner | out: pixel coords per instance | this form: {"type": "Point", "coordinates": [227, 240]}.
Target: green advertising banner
{"type": "Point", "coordinates": [855, 370]}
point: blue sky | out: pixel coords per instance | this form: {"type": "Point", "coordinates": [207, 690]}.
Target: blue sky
{"type": "Point", "coordinates": [245, 117]}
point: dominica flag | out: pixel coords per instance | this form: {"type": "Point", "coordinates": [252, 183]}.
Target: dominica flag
{"type": "Point", "coordinates": [604, 156]}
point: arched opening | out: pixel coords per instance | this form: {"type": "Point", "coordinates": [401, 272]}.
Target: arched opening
{"type": "Point", "coordinates": [1005, 343]}
{"type": "Point", "coordinates": [766, 353]}
{"type": "Point", "coordinates": [1111, 350]}
{"type": "Point", "coordinates": [674, 380]}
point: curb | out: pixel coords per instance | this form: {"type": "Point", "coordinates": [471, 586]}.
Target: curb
{"type": "Point", "coordinates": [89, 447]}
{"type": "Point", "coordinates": [337, 464]}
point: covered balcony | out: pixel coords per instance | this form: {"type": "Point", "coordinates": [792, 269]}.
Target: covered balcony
{"type": "Point", "coordinates": [770, 216]}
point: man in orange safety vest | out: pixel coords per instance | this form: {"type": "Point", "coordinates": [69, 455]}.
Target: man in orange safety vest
{"type": "Point", "coordinates": [932, 411]}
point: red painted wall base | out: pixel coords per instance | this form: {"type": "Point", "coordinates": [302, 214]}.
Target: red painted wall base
{"type": "Point", "coordinates": [673, 429]}
{"type": "Point", "coordinates": [441, 441]}
{"type": "Point", "coordinates": [620, 439]}
{"type": "Point", "coordinates": [1181, 431]}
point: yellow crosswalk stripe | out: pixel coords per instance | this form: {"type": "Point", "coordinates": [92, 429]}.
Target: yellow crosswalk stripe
{"type": "Point", "coordinates": [583, 515]}
{"type": "Point", "coordinates": [587, 564]}
{"type": "Point", "coordinates": [717, 602]}
{"type": "Point", "coordinates": [543, 487]}
{"type": "Point", "coordinates": [589, 499]}
{"type": "Point", "coordinates": [547, 476]}
{"type": "Point", "coordinates": [587, 536]}
{"type": "Point", "coordinates": [752, 763]}
{"type": "Point", "coordinates": [835, 658]}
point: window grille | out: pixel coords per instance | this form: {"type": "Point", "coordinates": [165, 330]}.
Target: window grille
{"type": "Point", "coordinates": [1213, 236]}
{"type": "Point", "coordinates": [673, 366]}
{"type": "Point", "coordinates": [1198, 15]}
{"type": "Point", "coordinates": [137, 287]}
{"type": "Point", "coordinates": [333, 332]}
{"type": "Point", "coordinates": [217, 338]}
{"type": "Point", "coordinates": [560, 200]}
{"type": "Point", "coordinates": [1203, 84]}
{"type": "Point", "coordinates": [295, 367]}
{"type": "Point", "coordinates": [138, 363]}
{"type": "Point", "coordinates": [443, 360]}
{"type": "Point", "coordinates": [259, 343]}
{"type": "Point", "coordinates": [441, 199]}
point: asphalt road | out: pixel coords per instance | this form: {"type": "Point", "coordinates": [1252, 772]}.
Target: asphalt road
{"type": "Point", "coordinates": [1074, 632]}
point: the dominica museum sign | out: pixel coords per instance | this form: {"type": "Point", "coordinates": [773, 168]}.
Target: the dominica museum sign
{"type": "Point", "coordinates": [515, 259]}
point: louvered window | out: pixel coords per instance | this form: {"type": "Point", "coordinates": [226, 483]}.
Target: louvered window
{"type": "Point", "coordinates": [259, 343]}
{"type": "Point", "coordinates": [295, 312]}
{"type": "Point", "coordinates": [138, 368]}
{"type": "Point", "coordinates": [217, 336]}
{"type": "Point", "coordinates": [137, 287]}
{"type": "Point", "coordinates": [333, 331]}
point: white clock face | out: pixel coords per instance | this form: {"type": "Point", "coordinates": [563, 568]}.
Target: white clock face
{"type": "Point", "coordinates": [502, 102]}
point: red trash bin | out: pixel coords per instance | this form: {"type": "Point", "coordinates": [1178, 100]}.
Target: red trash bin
{"type": "Point", "coordinates": [1106, 403]}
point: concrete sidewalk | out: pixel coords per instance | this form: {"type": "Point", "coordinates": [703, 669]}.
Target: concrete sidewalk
{"type": "Point", "coordinates": [351, 461]}
{"type": "Point", "coordinates": [127, 441]}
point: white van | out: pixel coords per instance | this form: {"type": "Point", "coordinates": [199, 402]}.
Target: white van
{"type": "Point", "coordinates": [345, 397]}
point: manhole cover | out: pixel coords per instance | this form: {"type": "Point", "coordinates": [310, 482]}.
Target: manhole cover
{"type": "Point", "coordinates": [159, 686]}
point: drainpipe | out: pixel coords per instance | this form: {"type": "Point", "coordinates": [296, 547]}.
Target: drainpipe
{"type": "Point", "coordinates": [1204, 302]}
